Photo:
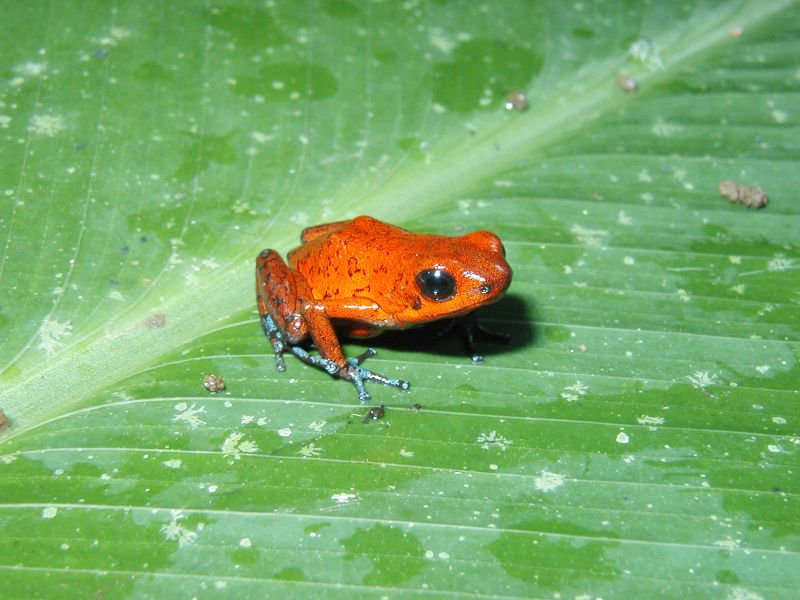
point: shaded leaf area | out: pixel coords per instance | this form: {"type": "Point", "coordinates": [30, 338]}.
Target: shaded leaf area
{"type": "Point", "coordinates": [638, 433]}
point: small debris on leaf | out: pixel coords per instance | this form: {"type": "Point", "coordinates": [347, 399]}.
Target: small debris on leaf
{"type": "Point", "coordinates": [416, 407]}
{"type": "Point", "coordinates": [4, 422]}
{"type": "Point", "coordinates": [627, 83]}
{"type": "Point", "coordinates": [157, 320]}
{"type": "Point", "coordinates": [516, 101]}
{"type": "Point", "coordinates": [736, 32]}
{"type": "Point", "coordinates": [214, 383]}
{"type": "Point", "coordinates": [645, 52]}
{"type": "Point", "coordinates": [374, 413]}
{"type": "Point", "coordinates": [749, 195]}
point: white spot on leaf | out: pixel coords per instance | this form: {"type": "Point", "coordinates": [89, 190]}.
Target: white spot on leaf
{"type": "Point", "coordinates": [779, 262]}
{"type": "Point", "coordinates": [779, 116]}
{"type": "Point", "coordinates": [47, 125]}
{"type": "Point", "coordinates": [573, 392]}
{"type": "Point", "coordinates": [664, 129]}
{"type": "Point", "coordinates": [548, 481]}
{"type": "Point", "coordinates": [175, 531]}
{"type": "Point", "coordinates": [343, 497]}
{"type": "Point", "coordinates": [740, 593]}
{"type": "Point", "coordinates": [593, 238]}
{"type": "Point", "coordinates": [189, 415]}
{"type": "Point", "coordinates": [51, 333]}
{"type": "Point", "coordinates": [310, 451]}
{"type": "Point", "coordinates": [234, 445]}
{"type": "Point", "coordinates": [493, 440]}
{"type": "Point", "coordinates": [702, 379]}
{"type": "Point", "coordinates": [644, 51]}
{"type": "Point", "coordinates": [31, 69]}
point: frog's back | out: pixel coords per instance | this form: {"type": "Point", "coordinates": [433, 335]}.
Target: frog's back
{"type": "Point", "coordinates": [348, 258]}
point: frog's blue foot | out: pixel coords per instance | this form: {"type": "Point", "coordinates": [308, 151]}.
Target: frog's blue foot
{"type": "Point", "coordinates": [353, 372]}
{"type": "Point", "coordinates": [358, 375]}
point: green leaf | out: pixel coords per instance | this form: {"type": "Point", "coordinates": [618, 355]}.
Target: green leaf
{"type": "Point", "coordinates": [638, 437]}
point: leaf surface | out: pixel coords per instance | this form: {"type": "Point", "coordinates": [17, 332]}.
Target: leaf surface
{"type": "Point", "coordinates": [639, 432]}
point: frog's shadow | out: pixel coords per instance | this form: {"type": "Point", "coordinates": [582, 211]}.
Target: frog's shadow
{"type": "Point", "coordinates": [511, 316]}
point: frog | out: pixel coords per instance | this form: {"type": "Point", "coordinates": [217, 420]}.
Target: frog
{"type": "Point", "coordinates": [361, 277]}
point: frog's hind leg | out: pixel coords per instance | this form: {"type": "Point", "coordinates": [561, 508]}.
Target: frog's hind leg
{"type": "Point", "coordinates": [276, 292]}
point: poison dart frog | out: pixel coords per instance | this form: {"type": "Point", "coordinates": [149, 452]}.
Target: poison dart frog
{"type": "Point", "coordinates": [362, 277]}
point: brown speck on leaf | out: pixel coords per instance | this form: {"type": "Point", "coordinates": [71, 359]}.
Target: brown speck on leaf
{"type": "Point", "coordinates": [214, 383]}
{"type": "Point", "coordinates": [516, 101]}
{"type": "Point", "coordinates": [736, 32]}
{"type": "Point", "coordinates": [749, 195]}
{"type": "Point", "coordinates": [4, 422]}
{"type": "Point", "coordinates": [627, 83]}
{"type": "Point", "coordinates": [374, 413]}
{"type": "Point", "coordinates": [157, 320]}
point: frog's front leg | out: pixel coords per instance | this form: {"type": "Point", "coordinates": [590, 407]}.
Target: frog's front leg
{"type": "Point", "coordinates": [330, 350]}
{"type": "Point", "coordinates": [470, 329]}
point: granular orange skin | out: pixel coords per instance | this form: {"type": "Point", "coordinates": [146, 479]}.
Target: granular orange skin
{"type": "Point", "coordinates": [362, 277]}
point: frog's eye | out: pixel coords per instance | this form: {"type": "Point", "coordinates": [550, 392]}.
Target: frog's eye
{"type": "Point", "coordinates": [436, 284]}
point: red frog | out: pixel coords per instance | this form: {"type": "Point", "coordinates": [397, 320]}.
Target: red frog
{"type": "Point", "coordinates": [362, 277]}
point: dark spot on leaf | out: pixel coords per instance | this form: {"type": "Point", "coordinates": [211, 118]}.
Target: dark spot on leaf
{"type": "Point", "coordinates": [557, 333]}
{"type": "Point", "coordinates": [205, 150]}
{"type": "Point", "coordinates": [396, 556]}
{"type": "Point", "coordinates": [291, 574]}
{"type": "Point", "coordinates": [247, 26]}
{"type": "Point", "coordinates": [483, 64]}
{"type": "Point", "coordinates": [582, 33]}
{"type": "Point", "coordinates": [341, 8]}
{"type": "Point", "coordinates": [151, 71]}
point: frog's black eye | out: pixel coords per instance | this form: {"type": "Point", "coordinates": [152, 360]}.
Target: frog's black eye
{"type": "Point", "coordinates": [436, 284]}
